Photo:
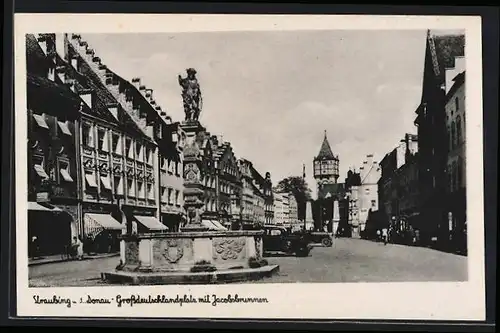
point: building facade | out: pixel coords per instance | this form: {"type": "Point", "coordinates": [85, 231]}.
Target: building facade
{"type": "Point", "coordinates": [398, 194]}
{"type": "Point", "coordinates": [367, 196]}
{"type": "Point", "coordinates": [120, 162]}
{"type": "Point", "coordinates": [113, 158]}
{"type": "Point", "coordinates": [441, 53]}
{"type": "Point", "coordinates": [53, 111]}
{"type": "Point", "coordinates": [293, 214]}
{"type": "Point", "coordinates": [456, 162]}
{"type": "Point", "coordinates": [281, 209]}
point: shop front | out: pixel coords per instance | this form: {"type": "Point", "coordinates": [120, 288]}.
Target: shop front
{"type": "Point", "coordinates": [102, 226]}
{"type": "Point", "coordinates": [49, 229]}
{"type": "Point", "coordinates": [141, 220]}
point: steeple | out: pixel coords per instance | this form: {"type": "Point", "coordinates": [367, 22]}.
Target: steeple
{"type": "Point", "coordinates": [325, 152]}
{"type": "Point", "coordinates": [326, 165]}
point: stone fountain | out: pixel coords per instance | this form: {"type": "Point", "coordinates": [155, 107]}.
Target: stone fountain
{"type": "Point", "coordinates": [195, 254]}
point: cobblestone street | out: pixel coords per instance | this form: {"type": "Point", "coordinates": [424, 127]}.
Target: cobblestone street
{"type": "Point", "coordinates": [349, 260]}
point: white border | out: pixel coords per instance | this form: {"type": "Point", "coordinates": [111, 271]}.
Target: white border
{"type": "Point", "coordinates": [438, 301]}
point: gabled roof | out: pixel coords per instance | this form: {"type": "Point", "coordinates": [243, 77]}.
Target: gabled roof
{"type": "Point", "coordinates": [325, 152]}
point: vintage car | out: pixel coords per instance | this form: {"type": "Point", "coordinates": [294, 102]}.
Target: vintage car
{"type": "Point", "coordinates": [279, 239]}
{"type": "Point", "coordinates": [325, 238]}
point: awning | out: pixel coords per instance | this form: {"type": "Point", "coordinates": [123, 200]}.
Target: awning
{"type": "Point", "coordinates": [212, 225]}
{"type": "Point", "coordinates": [151, 223]}
{"type": "Point", "coordinates": [40, 120]}
{"type": "Point", "coordinates": [65, 174]}
{"type": "Point", "coordinates": [64, 128]}
{"type": "Point", "coordinates": [219, 225]}
{"type": "Point", "coordinates": [36, 206]}
{"type": "Point", "coordinates": [40, 171]}
{"type": "Point", "coordinates": [105, 220]}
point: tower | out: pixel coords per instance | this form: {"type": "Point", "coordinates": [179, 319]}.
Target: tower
{"type": "Point", "coordinates": [326, 165]}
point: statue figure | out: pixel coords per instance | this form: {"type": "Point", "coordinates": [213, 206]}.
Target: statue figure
{"type": "Point", "coordinates": [191, 95]}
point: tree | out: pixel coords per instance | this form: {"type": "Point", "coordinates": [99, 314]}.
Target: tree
{"type": "Point", "coordinates": [300, 190]}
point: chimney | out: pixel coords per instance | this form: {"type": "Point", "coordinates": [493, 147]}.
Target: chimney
{"type": "Point", "coordinates": [61, 44]}
{"type": "Point", "coordinates": [149, 94]}
{"type": "Point", "coordinates": [136, 82]}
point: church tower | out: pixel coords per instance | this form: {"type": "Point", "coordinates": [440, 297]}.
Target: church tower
{"type": "Point", "coordinates": [326, 165]}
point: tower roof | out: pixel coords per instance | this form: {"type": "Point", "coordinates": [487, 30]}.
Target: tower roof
{"type": "Point", "coordinates": [325, 152]}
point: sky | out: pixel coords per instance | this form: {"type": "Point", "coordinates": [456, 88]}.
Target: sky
{"type": "Point", "coordinates": [273, 94]}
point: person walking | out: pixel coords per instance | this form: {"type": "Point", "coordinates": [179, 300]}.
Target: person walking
{"type": "Point", "coordinates": [384, 235]}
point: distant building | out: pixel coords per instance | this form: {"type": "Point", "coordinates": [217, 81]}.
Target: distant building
{"type": "Point", "coordinates": [456, 161]}
{"type": "Point", "coordinates": [293, 211]}
{"type": "Point", "coordinates": [368, 190]}
{"type": "Point", "coordinates": [281, 209]}
{"type": "Point", "coordinates": [326, 173]}
{"type": "Point", "coordinates": [398, 188]}
{"type": "Point", "coordinates": [326, 169]}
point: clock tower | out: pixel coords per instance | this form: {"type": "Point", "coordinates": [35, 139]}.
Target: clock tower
{"type": "Point", "coordinates": [326, 165]}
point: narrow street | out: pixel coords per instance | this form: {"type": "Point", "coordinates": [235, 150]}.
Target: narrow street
{"type": "Point", "coordinates": [349, 260]}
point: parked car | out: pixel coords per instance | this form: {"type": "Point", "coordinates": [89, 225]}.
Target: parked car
{"type": "Point", "coordinates": [279, 239]}
{"type": "Point", "coordinates": [320, 237]}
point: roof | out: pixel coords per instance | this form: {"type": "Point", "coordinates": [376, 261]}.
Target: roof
{"type": "Point", "coordinates": [458, 81]}
{"type": "Point", "coordinates": [325, 152]}
{"type": "Point", "coordinates": [104, 97]}
{"type": "Point", "coordinates": [36, 60]}
{"type": "Point", "coordinates": [40, 89]}
{"type": "Point", "coordinates": [447, 47]}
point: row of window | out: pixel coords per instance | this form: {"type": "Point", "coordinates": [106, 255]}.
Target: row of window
{"type": "Point", "coordinates": [63, 170]}
{"type": "Point", "coordinates": [135, 189]}
{"type": "Point", "coordinates": [171, 196]}
{"type": "Point", "coordinates": [113, 142]}
{"type": "Point", "coordinates": [61, 128]}
{"type": "Point", "coordinates": [171, 166]}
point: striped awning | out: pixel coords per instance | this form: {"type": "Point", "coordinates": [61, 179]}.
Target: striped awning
{"type": "Point", "coordinates": [151, 223]}
{"type": "Point", "coordinates": [106, 221]}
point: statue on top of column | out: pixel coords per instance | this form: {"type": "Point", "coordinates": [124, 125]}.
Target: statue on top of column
{"type": "Point", "coordinates": [191, 95]}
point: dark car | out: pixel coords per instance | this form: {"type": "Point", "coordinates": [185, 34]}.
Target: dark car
{"type": "Point", "coordinates": [279, 239]}
{"type": "Point", "coordinates": [322, 237]}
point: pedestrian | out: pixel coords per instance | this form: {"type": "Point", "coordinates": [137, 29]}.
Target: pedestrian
{"type": "Point", "coordinates": [384, 236]}
{"type": "Point", "coordinates": [378, 235]}
{"type": "Point", "coordinates": [78, 247]}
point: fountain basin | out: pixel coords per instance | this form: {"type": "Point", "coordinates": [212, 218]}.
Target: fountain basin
{"type": "Point", "coordinates": [190, 257]}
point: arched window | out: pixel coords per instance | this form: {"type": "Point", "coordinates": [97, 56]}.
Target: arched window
{"type": "Point", "coordinates": [459, 130]}
{"type": "Point", "coordinates": [453, 134]}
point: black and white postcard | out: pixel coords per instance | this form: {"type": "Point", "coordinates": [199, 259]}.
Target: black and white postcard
{"type": "Point", "coordinates": [249, 166]}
